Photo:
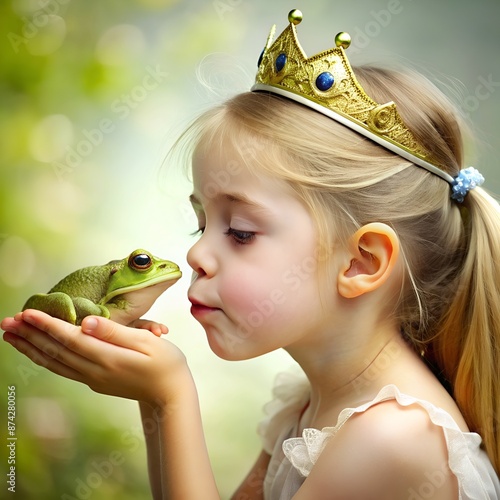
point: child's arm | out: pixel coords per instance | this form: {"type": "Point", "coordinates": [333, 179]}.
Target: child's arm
{"type": "Point", "coordinates": [178, 462]}
{"type": "Point", "coordinates": [184, 454]}
{"type": "Point", "coordinates": [252, 486]}
{"type": "Point", "coordinates": [152, 437]}
{"type": "Point", "coordinates": [121, 361]}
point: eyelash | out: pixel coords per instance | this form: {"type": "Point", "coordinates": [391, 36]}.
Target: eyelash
{"type": "Point", "coordinates": [239, 237]}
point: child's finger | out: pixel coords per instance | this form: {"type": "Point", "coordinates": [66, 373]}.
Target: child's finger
{"type": "Point", "coordinates": [57, 338]}
{"type": "Point", "coordinates": [95, 328]}
{"type": "Point", "coordinates": [158, 329]}
{"type": "Point", "coordinates": [21, 333]}
{"type": "Point", "coordinates": [47, 359]}
{"type": "Point", "coordinates": [114, 333]}
{"type": "Point", "coordinates": [64, 333]}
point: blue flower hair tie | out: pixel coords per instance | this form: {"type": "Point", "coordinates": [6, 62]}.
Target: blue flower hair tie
{"type": "Point", "coordinates": [467, 179]}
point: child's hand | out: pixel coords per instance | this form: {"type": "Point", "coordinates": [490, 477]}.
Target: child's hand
{"type": "Point", "coordinates": [110, 358]}
{"type": "Point", "coordinates": [158, 329]}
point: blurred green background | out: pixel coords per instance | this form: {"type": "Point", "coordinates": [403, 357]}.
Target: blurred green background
{"type": "Point", "coordinates": [92, 95]}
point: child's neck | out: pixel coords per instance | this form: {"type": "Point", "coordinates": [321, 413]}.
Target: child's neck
{"type": "Point", "coordinates": [349, 372]}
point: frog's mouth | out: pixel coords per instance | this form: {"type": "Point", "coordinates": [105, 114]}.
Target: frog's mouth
{"type": "Point", "coordinates": [166, 279]}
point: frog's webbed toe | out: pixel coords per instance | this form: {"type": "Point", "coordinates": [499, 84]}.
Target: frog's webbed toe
{"type": "Point", "coordinates": [57, 304]}
{"type": "Point", "coordinates": [85, 307]}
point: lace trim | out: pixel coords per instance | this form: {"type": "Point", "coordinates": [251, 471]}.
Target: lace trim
{"type": "Point", "coordinates": [463, 448]}
{"type": "Point", "coordinates": [290, 395]}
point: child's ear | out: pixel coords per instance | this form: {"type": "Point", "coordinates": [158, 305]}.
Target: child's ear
{"type": "Point", "coordinates": [372, 254]}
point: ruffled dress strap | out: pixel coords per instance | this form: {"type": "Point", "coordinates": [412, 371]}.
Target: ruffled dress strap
{"type": "Point", "coordinates": [292, 458]}
{"type": "Point", "coordinates": [469, 463]}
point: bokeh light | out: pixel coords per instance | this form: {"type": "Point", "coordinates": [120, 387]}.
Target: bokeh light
{"type": "Point", "coordinates": [50, 138]}
{"type": "Point", "coordinates": [119, 44]}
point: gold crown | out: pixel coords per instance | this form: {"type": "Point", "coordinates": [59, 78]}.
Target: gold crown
{"type": "Point", "coordinates": [326, 83]}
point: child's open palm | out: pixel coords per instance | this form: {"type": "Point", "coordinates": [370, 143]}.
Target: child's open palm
{"type": "Point", "coordinates": [110, 358]}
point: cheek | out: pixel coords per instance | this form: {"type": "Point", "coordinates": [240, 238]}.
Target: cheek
{"type": "Point", "coordinates": [271, 298]}
{"type": "Point", "coordinates": [244, 294]}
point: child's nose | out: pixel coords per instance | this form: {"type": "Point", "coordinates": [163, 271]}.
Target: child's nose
{"type": "Point", "coordinates": [201, 259]}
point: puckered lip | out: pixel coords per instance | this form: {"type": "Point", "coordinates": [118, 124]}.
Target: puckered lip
{"type": "Point", "coordinates": [198, 304]}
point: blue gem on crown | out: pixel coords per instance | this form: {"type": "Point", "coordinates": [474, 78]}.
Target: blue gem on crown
{"type": "Point", "coordinates": [325, 81]}
{"type": "Point", "coordinates": [280, 62]}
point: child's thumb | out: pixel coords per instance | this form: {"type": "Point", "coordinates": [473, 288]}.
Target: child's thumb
{"type": "Point", "coordinates": [90, 325]}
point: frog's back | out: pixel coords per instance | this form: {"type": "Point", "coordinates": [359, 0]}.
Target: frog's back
{"type": "Point", "coordinates": [90, 283]}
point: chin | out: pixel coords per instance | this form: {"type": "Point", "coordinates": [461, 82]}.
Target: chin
{"type": "Point", "coordinates": [230, 347]}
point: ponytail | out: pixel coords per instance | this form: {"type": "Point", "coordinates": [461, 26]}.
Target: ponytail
{"type": "Point", "coordinates": [467, 345]}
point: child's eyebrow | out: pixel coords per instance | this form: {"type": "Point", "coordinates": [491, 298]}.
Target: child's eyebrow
{"type": "Point", "coordinates": [237, 198]}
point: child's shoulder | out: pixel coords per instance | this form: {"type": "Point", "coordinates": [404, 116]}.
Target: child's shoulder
{"type": "Point", "coordinates": [386, 451]}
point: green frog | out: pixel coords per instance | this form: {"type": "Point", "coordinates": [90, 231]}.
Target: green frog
{"type": "Point", "coordinates": [122, 290]}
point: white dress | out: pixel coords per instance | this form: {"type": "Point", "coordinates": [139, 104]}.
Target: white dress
{"type": "Point", "coordinates": [292, 458]}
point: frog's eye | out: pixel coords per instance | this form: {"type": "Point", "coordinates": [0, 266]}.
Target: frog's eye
{"type": "Point", "coordinates": [140, 262]}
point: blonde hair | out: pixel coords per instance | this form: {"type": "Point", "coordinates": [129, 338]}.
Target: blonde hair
{"type": "Point", "coordinates": [449, 307]}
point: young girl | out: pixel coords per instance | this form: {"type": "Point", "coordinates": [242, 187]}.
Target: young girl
{"type": "Point", "coordinates": [369, 257]}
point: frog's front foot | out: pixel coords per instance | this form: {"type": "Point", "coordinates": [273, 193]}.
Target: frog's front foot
{"type": "Point", "coordinates": [62, 306]}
